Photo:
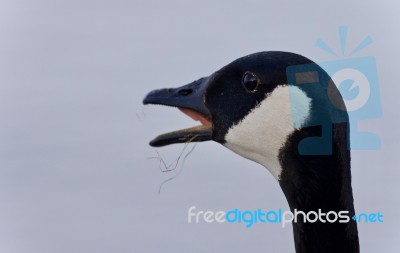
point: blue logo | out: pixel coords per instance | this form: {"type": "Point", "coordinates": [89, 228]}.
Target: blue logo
{"type": "Point", "coordinates": [357, 81]}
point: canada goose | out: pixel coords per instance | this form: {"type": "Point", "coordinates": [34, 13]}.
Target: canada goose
{"type": "Point", "coordinates": [251, 107]}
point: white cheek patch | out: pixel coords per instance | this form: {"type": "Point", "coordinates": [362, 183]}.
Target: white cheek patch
{"type": "Point", "coordinates": [265, 129]}
{"type": "Point", "coordinates": [300, 106]}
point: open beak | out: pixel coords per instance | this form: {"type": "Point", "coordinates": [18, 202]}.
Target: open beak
{"type": "Point", "coordinates": [190, 100]}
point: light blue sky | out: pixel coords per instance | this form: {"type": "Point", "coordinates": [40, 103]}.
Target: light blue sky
{"type": "Point", "coordinates": [74, 169]}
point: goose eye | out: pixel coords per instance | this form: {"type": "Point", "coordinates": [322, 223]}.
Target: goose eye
{"type": "Point", "coordinates": [250, 82]}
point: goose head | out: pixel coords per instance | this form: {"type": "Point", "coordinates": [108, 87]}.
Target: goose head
{"type": "Point", "coordinates": [282, 111]}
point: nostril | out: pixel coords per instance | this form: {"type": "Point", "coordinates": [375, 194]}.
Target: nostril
{"type": "Point", "coordinates": [185, 92]}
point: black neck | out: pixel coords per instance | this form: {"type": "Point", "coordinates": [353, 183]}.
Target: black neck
{"type": "Point", "coordinates": [312, 182]}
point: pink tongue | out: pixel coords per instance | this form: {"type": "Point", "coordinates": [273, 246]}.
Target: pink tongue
{"type": "Point", "coordinates": [196, 116]}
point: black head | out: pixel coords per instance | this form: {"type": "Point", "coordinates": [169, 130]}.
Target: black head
{"type": "Point", "coordinates": [224, 98]}
{"type": "Point", "coordinates": [241, 85]}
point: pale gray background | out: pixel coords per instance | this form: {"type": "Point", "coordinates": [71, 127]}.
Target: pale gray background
{"type": "Point", "coordinates": [74, 169]}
